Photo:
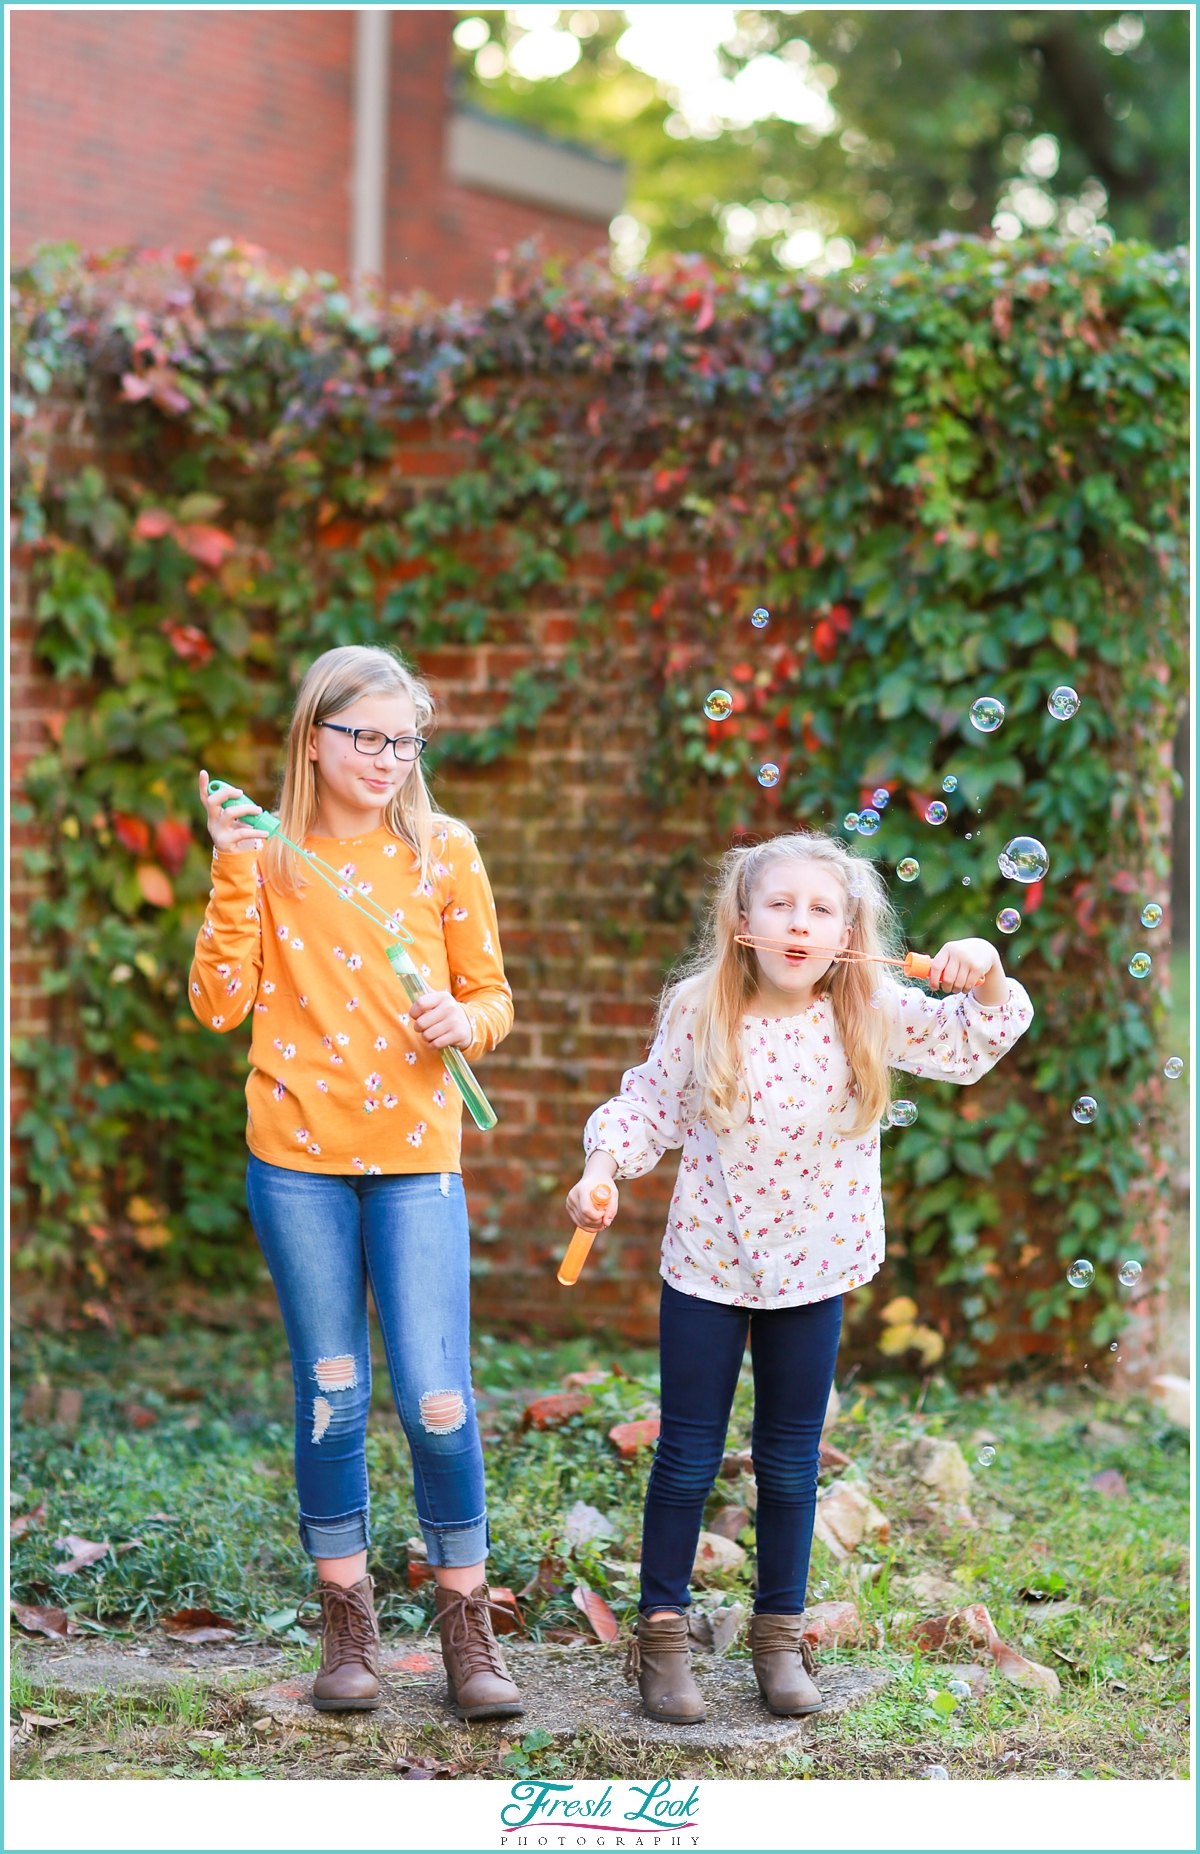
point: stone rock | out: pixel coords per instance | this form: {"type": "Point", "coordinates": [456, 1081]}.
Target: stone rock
{"type": "Point", "coordinates": [628, 1438]}
{"type": "Point", "coordinates": [846, 1515]}
{"type": "Point", "coordinates": [833, 1410]}
{"type": "Point", "coordinates": [584, 1523]}
{"type": "Point", "coordinates": [831, 1622]}
{"type": "Point", "coordinates": [729, 1522]}
{"type": "Point", "coordinates": [1111, 1483]}
{"type": "Point", "coordinates": [941, 1465]}
{"type": "Point", "coordinates": [934, 1592]}
{"type": "Point", "coordinates": [971, 1673]}
{"type": "Point", "coordinates": [726, 1624]}
{"type": "Point", "coordinates": [1175, 1396]}
{"type": "Point", "coordinates": [736, 1461]}
{"type": "Point", "coordinates": [552, 1412]}
{"type": "Point", "coordinates": [579, 1380]}
{"type": "Point", "coordinates": [715, 1555]}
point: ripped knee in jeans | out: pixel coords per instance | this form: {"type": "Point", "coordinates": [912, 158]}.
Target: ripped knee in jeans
{"type": "Point", "coordinates": [332, 1374]}
{"type": "Point", "coordinates": [442, 1412]}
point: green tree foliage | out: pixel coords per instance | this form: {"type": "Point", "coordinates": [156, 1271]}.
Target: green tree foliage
{"type": "Point", "coordinates": [954, 470]}
{"type": "Point", "coordinates": [945, 121]}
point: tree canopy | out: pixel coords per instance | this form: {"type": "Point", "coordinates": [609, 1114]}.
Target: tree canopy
{"type": "Point", "coordinates": [813, 133]}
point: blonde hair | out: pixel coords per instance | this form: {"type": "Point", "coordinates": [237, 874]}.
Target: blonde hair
{"type": "Point", "coordinates": [332, 684]}
{"type": "Point", "coordinates": [722, 977]}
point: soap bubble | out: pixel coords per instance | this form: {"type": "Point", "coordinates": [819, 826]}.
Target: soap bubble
{"type": "Point", "coordinates": [936, 813]}
{"type": "Point", "coordinates": [1084, 1110]}
{"type": "Point", "coordinates": [1114, 1345]}
{"type": "Point", "coordinates": [1063, 703]}
{"type": "Point", "coordinates": [970, 834]}
{"type": "Point", "coordinates": [1173, 1068]}
{"type": "Point", "coordinates": [876, 1000]}
{"type": "Point", "coordinates": [1151, 914]}
{"type": "Point", "coordinates": [1130, 1274]}
{"type": "Point", "coordinates": [986, 1455]}
{"type": "Point", "coordinates": [1024, 859]}
{"type": "Point", "coordinates": [1080, 1273]}
{"type": "Point", "coordinates": [959, 1688]}
{"type": "Point", "coordinates": [1139, 965]}
{"type": "Point", "coordinates": [987, 713]}
{"type": "Point", "coordinates": [966, 881]}
{"type": "Point", "coordinates": [1008, 920]}
{"type": "Point", "coordinates": [950, 783]}
{"type": "Point", "coordinates": [760, 618]}
{"type": "Point", "coordinates": [879, 798]}
{"type": "Point", "coordinates": [908, 869]}
{"type": "Point", "coordinates": [868, 822]}
{"type": "Point", "coordinates": [719, 705]}
{"type": "Point", "coordinates": [768, 773]}
{"type": "Point", "coordinates": [937, 1773]}
{"type": "Point", "coordinates": [850, 821]}
{"type": "Point", "coordinates": [901, 1113]}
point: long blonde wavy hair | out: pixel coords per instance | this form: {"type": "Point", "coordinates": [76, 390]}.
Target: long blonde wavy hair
{"type": "Point", "coordinates": [721, 978]}
{"type": "Point", "coordinates": [332, 684]}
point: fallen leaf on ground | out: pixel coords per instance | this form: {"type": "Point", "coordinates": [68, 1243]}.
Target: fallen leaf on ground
{"type": "Point", "coordinates": [129, 1545]}
{"type": "Point", "coordinates": [20, 1527]}
{"type": "Point", "coordinates": [52, 1622]}
{"type": "Point", "coordinates": [597, 1612]}
{"type": "Point", "coordinates": [736, 1461]}
{"type": "Point", "coordinates": [548, 1580]}
{"type": "Point", "coordinates": [1111, 1483]}
{"type": "Point", "coordinates": [423, 1769]}
{"type": "Point", "coordinates": [833, 1457]}
{"type": "Point", "coordinates": [83, 1552]}
{"type": "Point", "coordinates": [198, 1625]}
{"type": "Point", "coordinates": [41, 1722]}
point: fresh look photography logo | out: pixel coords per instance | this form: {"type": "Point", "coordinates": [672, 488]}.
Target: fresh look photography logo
{"type": "Point", "coordinates": [542, 1814]}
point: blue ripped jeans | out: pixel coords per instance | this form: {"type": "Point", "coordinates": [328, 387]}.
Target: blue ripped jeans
{"type": "Point", "coordinates": [325, 1239]}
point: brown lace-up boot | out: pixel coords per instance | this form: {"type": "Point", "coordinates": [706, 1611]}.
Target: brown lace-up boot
{"type": "Point", "coordinates": [658, 1659]}
{"type": "Point", "coordinates": [480, 1684]}
{"type": "Point", "coordinates": [784, 1664]}
{"type": "Point", "coordinates": [348, 1677]}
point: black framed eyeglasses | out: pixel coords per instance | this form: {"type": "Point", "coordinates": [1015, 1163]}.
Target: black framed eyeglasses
{"type": "Point", "coordinates": [370, 741]}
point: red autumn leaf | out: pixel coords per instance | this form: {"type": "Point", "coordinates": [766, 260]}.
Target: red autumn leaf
{"type": "Point", "coordinates": [825, 640]}
{"type": "Point", "coordinates": [52, 1622]}
{"type": "Point", "coordinates": [132, 833]}
{"type": "Point", "coordinates": [187, 641]}
{"type": "Point", "coordinates": [1033, 897]}
{"type": "Point", "coordinates": [603, 1622]}
{"type": "Point", "coordinates": [840, 617]}
{"type": "Point", "coordinates": [20, 1527]}
{"type": "Point", "coordinates": [155, 885]}
{"type": "Point", "coordinates": [198, 1625]}
{"type": "Point", "coordinates": [152, 524]}
{"type": "Point", "coordinates": [210, 546]}
{"type": "Point", "coordinates": [172, 840]}
{"type": "Point", "coordinates": [554, 325]}
{"type": "Point", "coordinates": [83, 1553]}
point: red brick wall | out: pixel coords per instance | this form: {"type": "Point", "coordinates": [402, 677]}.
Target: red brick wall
{"type": "Point", "coordinates": [170, 128]}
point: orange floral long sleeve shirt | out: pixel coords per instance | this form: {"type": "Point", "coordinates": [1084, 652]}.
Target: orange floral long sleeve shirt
{"type": "Point", "coordinates": [341, 1080]}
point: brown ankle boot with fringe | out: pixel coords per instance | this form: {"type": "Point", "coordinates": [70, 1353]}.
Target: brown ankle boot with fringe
{"type": "Point", "coordinates": [659, 1661]}
{"type": "Point", "coordinates": [784, 1664]}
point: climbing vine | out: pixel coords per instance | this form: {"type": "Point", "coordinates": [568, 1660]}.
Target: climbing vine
{"type": "Point", "coordinates": [949, 472]}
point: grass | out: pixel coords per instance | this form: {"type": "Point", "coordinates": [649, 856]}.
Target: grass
{"type": "Point", "coordinates": [195, 1425]}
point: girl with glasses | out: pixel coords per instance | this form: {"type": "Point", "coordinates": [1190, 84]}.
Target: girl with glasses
{"type": "Point", "coordinates": [354, 1129]}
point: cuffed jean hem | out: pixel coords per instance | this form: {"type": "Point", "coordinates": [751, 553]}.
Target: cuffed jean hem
{"type": "Point", "coordinates": [336, 1538]}
{"type": "Point", "coordinates": [448, 1547]}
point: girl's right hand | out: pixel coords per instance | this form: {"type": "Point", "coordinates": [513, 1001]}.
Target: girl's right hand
{"type": "Point", "coordinates": [226, 828]}
{"type": "Point", "coordinates": [584, 1214]}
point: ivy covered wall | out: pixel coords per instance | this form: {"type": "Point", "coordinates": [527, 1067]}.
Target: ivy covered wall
{"type": "Point", "coordinates": [952, 471]}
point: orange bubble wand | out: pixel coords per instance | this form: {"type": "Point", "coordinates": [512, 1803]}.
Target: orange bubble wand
{"type": "Point", "coordinates": [582, 1240]}
{"type": "Point", "coordinates": [913, 965]}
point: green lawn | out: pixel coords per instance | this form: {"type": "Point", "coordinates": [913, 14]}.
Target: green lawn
{"type": "Point", "coordinates": [196, 1425]}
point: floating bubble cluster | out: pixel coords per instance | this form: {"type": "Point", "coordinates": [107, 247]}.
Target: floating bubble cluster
{"type": "Point", "coordinates": [986, 1455]}
{"type": "Point", "coordinates": [1024, 859]}
{"type": "Point", "coordinates": [768, 773]}
{"type": "Point", "coordinates": [987, 713]}
{"type": "Point", "coordinates": [1151, 914]}
{"type": "Point", "coordinates": [1063, 703]}
{"type": "Point", "coordinates": [879, 798]}
{"type": "Point", "coordinates": [719, 705]}
{"type": "Point", "coordinates": [760, 618]}
{"type": "Point", "coordinates": [850, 821]}
{"type": "Point", "coordinates": [901, 1113]}
{"type": "Point", "coordinates": [908, 868]}
{"type": "Point", "coordinates": [1085, 1109]}
{"type": "Point", "coordinates": [1008, 920]}
{"type": "Point", "coordinates": [868, 822]}
{"type": "Point", "coordinates": [1129, 1274]}
{"type": "Point", "coordinates": [950, 783]}
{"type": "Point", "coordinates": [1173, 1068]}
{"type": "Point", "coordinates": [1080, 1273]}
{"type": "Point", "coordinates": [936, 813]}
{"type": "Point", "coordinates": [1139, 965]}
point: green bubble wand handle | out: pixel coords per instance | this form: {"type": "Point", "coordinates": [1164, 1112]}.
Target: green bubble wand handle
{"type": "Point", "coordinates": [478, 1106]}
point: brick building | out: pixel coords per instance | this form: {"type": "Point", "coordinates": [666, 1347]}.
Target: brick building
{"type": "Point", "coordinates": [328, 137]}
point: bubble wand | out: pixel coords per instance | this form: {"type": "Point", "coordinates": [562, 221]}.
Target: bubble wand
{"type": "Point", "coordinates": [582, 1240]}
{"type": "Point", "coordinates": [400, 960]}
{"type": "Point", "coordinates": [913, 965]}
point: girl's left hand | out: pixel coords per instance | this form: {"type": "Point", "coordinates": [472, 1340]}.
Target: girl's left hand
{"type": "Point", "coordinates": [441, 1021]}
{"type": "Point", "coordinates": [961, 965]}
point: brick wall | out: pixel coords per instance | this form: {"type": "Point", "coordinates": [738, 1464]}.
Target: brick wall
{"type": "Point", "coordinates": [154, 127]}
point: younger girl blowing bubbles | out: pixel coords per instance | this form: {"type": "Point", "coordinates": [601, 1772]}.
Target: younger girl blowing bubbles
{"type": "Point", "coordinates": [770, 1070]}
{"type": "Point", "coordinates": [354, 1131]}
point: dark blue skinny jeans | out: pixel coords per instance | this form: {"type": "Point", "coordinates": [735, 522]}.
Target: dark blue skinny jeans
{"type": "Point", "coordinates": [701, 1343]}
{"type": "Point", "coordinates": [325, 1239]}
